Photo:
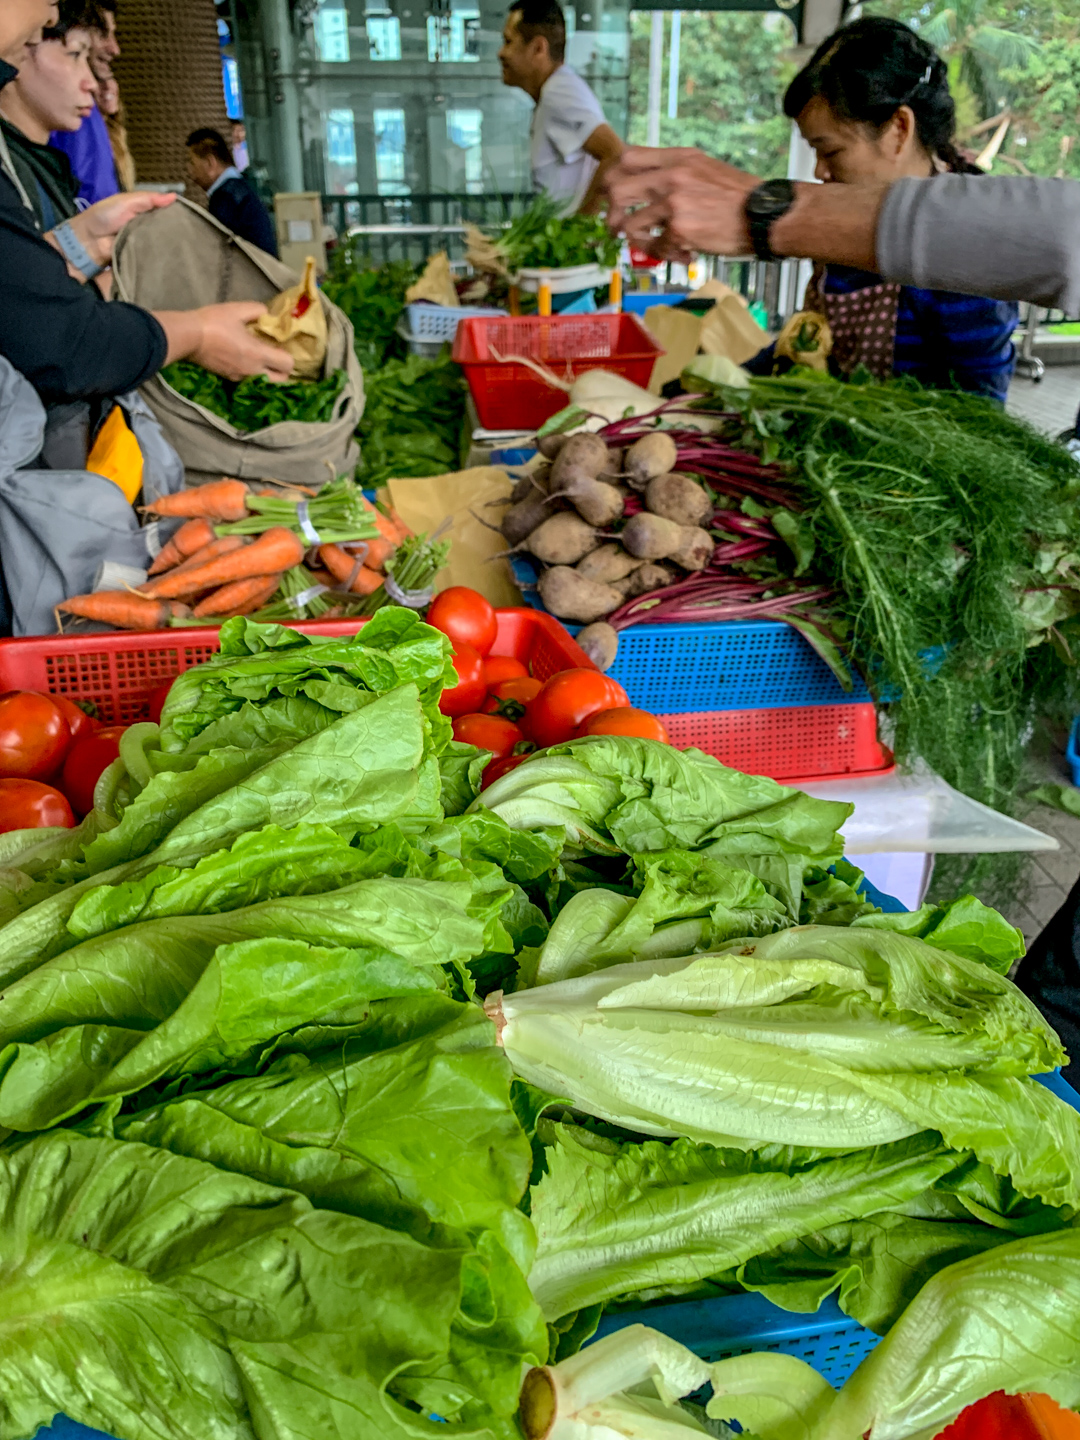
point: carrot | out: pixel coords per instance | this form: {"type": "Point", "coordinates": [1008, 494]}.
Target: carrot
{"type": "Point", "coordinates": [122, 609]}
{"type": "Point", "coordinates": [342, 566]}
{"type": "Point", "coordinates": [275, 550]}
{"type": "Point", "coordinates": [223, 500]}
{"type": "Point", "coordinates": [215, 550]}
{"type": "Point", "coordinates": [241, 597]}
{"type": "Point", "coordinates": [191, 536]}
{"type": "Point", "coordinates": [391, 527]}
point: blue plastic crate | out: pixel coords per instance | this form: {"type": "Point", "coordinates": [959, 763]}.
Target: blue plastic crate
{"type": "Point", "coordinates": [638, 301]}
{"type": "Point", "coordinates": [1072, 752]}
{"type": "Point", "coordinates": [725, 665]}
{"type": "Point", "coordinates": [828, 1340]}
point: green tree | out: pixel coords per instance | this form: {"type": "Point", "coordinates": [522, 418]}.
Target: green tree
{"type": "Point", "coordinates": [1023, 57]}
{"type": "Point", "coordinates": [981, 54]}
{"type": "Point", "coordinates": [732, 76]}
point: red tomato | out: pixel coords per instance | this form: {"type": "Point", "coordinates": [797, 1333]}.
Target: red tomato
{"type": "Point", "coordinates": [79, 722]}
{"type": "Point", "coordinates": [156, 703]}
{"type": "Point", "coordinates": [625, 720]}
{"type": "Point", "coordinates": [566, 702]}
{"type": "Point", "coordinates": [495, 769]}
{"type": "Point", "coordinates": [29, 805]}
{"type": "Point", "coordinates": [503, 667]}
{"type": "Point", "coordinates": [468, 694]}
{"type": "Point", "coordinates": [465, 616]}
{"type": "Point", "coordinates": [86, 762]}
{"type": "Point", "coordinates": [488, 732]}
{"type": "Point", "coordinates": [511, 697]}
{"type": "Point", "coordinates": [34, 736]}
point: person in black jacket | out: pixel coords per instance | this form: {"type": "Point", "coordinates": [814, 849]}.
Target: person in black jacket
{"type": "Point", "coordinates": [232, 200]}
{"type": "Point", "coordinates": [57, 329]}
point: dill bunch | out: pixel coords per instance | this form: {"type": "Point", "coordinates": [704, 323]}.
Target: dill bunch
{"type": "Point", "coordinates": [950, 533]}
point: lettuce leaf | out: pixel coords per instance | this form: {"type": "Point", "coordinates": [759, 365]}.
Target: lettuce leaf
{"type": "Point", "coordinates": [836, 1038]}
{"type": "Point", "coordinates": [643, 1217]}
{"type": "Point", "coordinates": [362, 771]}
{"type": "Point", "coordinates": [368, 1119]}
{"type": "Point", "coordinates": [149, 1295]}
{"type": "Point", "coordinates": [259, 664]}
{"type": "Point", "coordinates": [1008, 1320]}
{"type": "Point", "coordinates": [644, 796]}
{"type": "Point", "coordinates": [965, 927]}
{"type": "Point", "coordinates": [248, 994]}
{"type": "Point", "coordinates": [684, 903]}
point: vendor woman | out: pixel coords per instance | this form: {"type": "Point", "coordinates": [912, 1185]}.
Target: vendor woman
{"type": "Point", "coordinates": [874, 105]}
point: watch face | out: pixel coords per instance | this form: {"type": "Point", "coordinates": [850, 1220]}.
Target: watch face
{"type": "Point", "coordinates": [771, 200]}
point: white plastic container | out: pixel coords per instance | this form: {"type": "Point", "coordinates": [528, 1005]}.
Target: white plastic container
{"type": "Point", "coordinates": [563, 282]}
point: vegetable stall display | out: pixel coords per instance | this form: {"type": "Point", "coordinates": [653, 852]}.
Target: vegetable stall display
{"type": "Point", "coordinates": [273, 551]}
{"type": "Point", "coordinates": [1004, 1321]}
{"type": "Point", "coordinates": [414, 406]}
{"type": "Point", "coordinates": [265, 1144]}
{"type": "Point", "coordinates": [924, 537]}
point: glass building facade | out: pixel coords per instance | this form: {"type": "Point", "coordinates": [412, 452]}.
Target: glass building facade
{"type": "Point", "coordinates": [402, 98]}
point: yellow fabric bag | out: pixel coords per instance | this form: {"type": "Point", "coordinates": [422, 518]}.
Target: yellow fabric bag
{"type": "Point", "coordinates": [296, 321]}
{"type": "Point", "coordinates": [806, 340]}
{"type": "Point", "coordinates": [116, 455]}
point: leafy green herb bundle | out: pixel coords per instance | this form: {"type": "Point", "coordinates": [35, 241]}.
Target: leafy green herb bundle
{"type": "Point", "coordinates": [413, 414]}
{"type": "Point", "coordinates": [950, 533]}
{"type": "Point", "coordinates": [372, 297]}
{"type": "Point", "coordinates": [541, 237]}
{"type": "Point", "coordinates": [256, 403]}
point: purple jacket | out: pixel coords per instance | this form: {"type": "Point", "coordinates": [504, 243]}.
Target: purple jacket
{"type": "Point", "coordinates": [90, 153]}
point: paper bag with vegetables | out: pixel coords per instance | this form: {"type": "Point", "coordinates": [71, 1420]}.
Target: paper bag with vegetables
{"type": "Point", "coordinates": [296, 321]}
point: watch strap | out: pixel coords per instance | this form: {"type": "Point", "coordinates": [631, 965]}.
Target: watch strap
{"type": "Point", "coordinates": [75, 252]}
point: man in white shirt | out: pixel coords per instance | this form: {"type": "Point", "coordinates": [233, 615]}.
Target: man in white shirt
{"type": "Point", "coordinates": [571, 145]}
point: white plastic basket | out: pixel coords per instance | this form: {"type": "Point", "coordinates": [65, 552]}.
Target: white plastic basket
{"type": "Point", "coordinates": [438, 323]}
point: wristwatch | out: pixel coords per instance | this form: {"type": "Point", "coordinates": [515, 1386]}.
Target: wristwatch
{"type": "Point", "coordinates": [764, 206]}
{"type": "Point", "coordinates": [75, 253]}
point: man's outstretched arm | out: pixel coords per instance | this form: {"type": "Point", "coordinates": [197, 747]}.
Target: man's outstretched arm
{"type": "Point", "coordinates": [1014, 238]}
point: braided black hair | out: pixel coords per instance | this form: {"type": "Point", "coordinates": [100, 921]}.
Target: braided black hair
{"type": "Point", "coordinates": [867, 70]}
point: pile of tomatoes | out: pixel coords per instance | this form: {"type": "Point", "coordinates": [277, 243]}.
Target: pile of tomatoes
{"type": "Point", "coordinates": [498, 706]}
{"type": "Point", "coordinates": [51, 757]}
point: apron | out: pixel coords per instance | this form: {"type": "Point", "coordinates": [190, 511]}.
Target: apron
{"type": "Point", "coordinates": [862, 324]}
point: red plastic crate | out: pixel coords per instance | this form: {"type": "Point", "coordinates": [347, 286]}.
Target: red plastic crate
{"type": "Point", "coordinates": [120, 672]}
{"type": "Point", "coordinates": [792, 744]}
{"type": "Point", "coordinates": [511, 396]}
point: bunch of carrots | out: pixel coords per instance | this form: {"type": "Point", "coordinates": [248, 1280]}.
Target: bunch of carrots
{"type": "Point", "coordinates": [207, 572]}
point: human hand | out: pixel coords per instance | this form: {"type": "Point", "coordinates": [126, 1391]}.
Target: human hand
{"type": "Point", "coordinates": [694, 202]}
{"type": "Point", "coordinates": [229, 348]}
{"type": "Point", "coordinates": [98, 226]}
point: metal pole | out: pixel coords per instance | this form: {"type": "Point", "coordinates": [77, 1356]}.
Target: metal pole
{"type": "Point", "coordinates": [673, 66]}
{"type": "Point", "coordinates": [284, 94]}
{"type": "Point", "coordinates": [656, 72]}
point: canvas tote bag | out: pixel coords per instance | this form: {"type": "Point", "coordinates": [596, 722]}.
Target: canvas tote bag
{"type": "Point", "coordinates": [180, 258]}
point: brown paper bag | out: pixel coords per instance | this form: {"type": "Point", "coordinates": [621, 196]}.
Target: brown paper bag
{"type": "Point", "coordinates": [729, 328]}
{"type": "Point", "coordinates": [425, 504]}
{"type": "Point", "coordinates": [678, 332]}
{"type": "Point", "coordinates": [296, 321]}
{"type": "Point", "coordinates": [435, 284]}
